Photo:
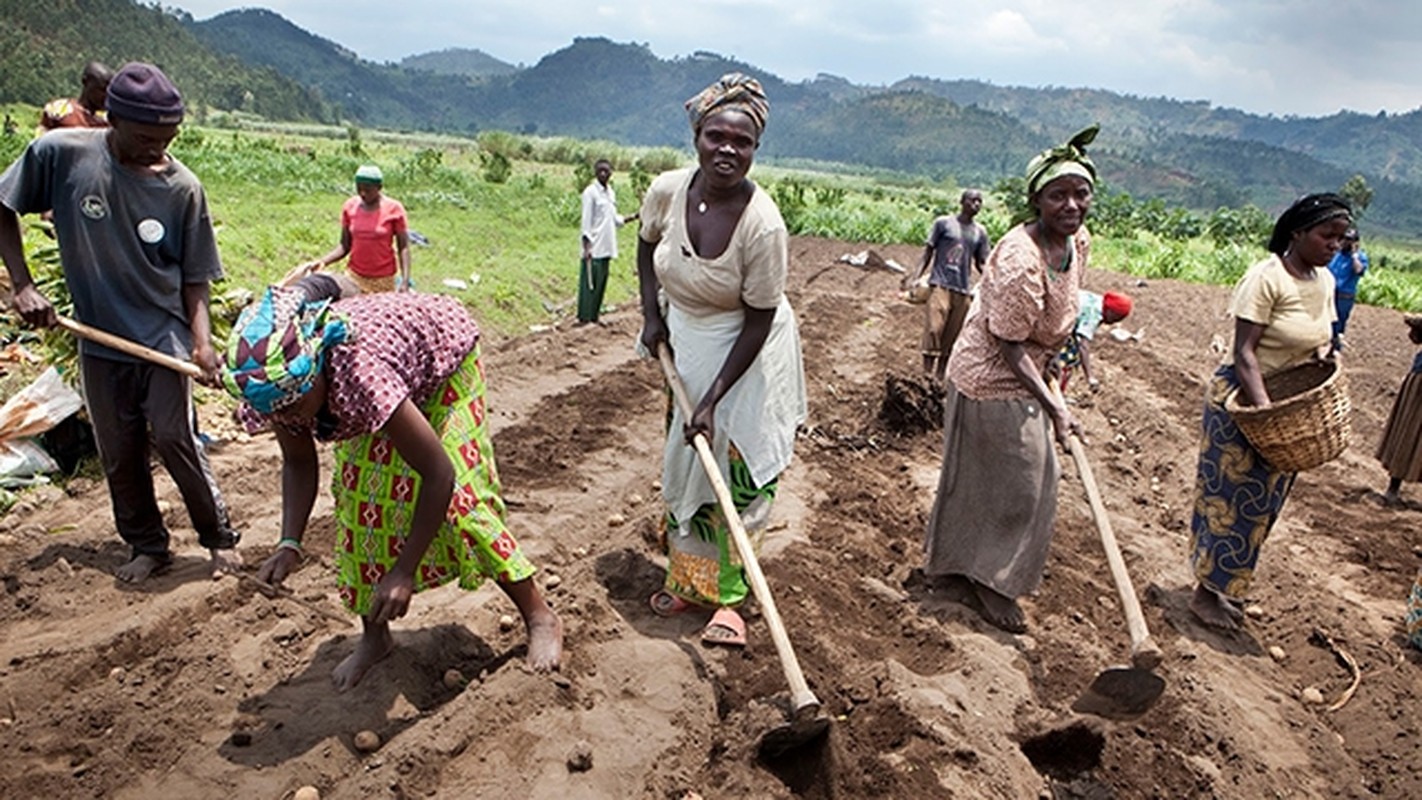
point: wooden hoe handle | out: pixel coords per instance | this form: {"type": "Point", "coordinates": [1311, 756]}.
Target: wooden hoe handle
{"type": "Point", "coordinates": [123, 345]}
{"type": "Point", "coordinates": [802, 699]}
{"type": "Point", "coordinates": [1144, 652]}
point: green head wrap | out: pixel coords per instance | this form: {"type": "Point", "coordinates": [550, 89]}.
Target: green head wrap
{"type": "Point", "coordinates": [1066, 159]}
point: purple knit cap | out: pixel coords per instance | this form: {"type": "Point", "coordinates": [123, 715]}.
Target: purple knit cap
{"type": "Point", "coordinates": [142, 93]}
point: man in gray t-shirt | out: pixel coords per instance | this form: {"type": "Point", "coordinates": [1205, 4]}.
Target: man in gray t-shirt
{"type": "Point", "coordinates": [139, 254]}
{"type": "Point", "coordinates": [955, 245]}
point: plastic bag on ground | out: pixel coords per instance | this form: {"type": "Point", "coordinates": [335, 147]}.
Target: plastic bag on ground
{"type": "Point", "coordinates": [33, 410]}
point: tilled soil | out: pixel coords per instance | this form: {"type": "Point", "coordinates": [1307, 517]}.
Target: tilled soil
{"type": "Point", "coordinates": [186, 687]}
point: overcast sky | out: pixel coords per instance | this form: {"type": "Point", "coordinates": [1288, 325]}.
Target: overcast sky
{"type": "Point", "coordinates": [1302, 57]}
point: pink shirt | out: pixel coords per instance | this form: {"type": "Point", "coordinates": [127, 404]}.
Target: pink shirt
{"type": "Point", "coordinates": [372, 255]}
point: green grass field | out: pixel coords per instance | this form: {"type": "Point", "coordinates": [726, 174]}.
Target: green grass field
{"type": "Point", "coordinates": [508, 232]}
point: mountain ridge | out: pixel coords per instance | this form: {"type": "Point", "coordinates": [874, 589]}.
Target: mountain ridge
{"type": "Point", "coordinates": [1186, 152]}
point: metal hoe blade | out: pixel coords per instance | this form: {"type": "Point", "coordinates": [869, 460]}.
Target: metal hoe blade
{"type": "Point", "coordinates": [805, 729]}
{"type": "Point", "coordinates": [1121, 693]}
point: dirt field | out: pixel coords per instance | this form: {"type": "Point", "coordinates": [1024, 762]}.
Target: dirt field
{"type": "Point", "coordinates": [189, 688]}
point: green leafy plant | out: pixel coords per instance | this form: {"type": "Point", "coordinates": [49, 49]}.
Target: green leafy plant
{"type": "Point", "coordinates": [497, 167]}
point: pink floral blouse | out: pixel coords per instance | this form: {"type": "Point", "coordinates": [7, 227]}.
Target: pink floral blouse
{"type": "Point", "coordinates": [1020, 299]}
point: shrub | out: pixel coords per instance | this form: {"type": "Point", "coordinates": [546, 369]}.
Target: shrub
{"type": "Point", "coordinates": [659, 160]}
{"type": "Point", "coordinates": [427, 160]}
{"type": "Point", "coordinates": [582, 175]}
{"type": "Point", "coordinates": [497, 167]}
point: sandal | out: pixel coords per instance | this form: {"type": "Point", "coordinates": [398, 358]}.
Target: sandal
{"type": "Point", "coordinates": [726, 628]}
{"type": "Point", "coordinates": [666, 604]}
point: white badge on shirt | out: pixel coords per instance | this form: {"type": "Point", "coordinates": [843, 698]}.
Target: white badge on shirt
{"type": "Point", "coordinates": [150, 231]}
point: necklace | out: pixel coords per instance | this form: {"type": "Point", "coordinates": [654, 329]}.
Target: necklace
{"type": "Point", "coordinates": [1054, 271]}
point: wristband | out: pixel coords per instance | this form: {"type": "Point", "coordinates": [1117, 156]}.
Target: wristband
{"type": "Point", "coordinates": [293, 545]}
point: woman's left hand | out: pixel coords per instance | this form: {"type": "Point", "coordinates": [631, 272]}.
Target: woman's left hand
{"type": "Point", "coordinates": [703, 421]}
{"type": "Point", "coordinates": [1065, 426]}
{"type": "Point", "coordinates": [392, 596]}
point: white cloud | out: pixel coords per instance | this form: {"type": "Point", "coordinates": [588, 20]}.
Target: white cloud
{"type": "Point", "coordinates": [1009, 33]}
{"type": "Point", "coordinates": [1305, 57]}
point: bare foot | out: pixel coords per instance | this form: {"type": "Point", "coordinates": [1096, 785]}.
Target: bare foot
{"type": "Point", "coordinates": [1214, 610]}
{"type": "Point", "coordinates": [545, 630]}
{"type": "Point", "coordinates": [140, 569]}
{"type": "Point", "coordinates": [1000, 610]}
{"type": "Point", "coordinates": [375, 644]}
{"type": "Point", "coordinates": [545, 641]}
{"type": "Point", "coordinates": [225, 562]}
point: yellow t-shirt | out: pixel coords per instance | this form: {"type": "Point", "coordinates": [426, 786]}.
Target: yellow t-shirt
{"type": "Point", "coordinates": [1297, 315]}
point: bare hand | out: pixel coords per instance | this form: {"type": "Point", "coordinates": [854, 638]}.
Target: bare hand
{"type": "Point", "coordinates": [1065, 426]}
{"type": "Point", "coordinates": [392, 597]}
{"type": "Point", "coordinates": [207, 360]}
{"type": "Point", "coordinates": [298, 272]}
{"type": "Point", "coordinates": [35, 308]}
{"type": "Point", "coordinates": [277, 566]}
{"type": "Point", "coordinates": [654, 332]}
{"type": "Point", "coordinates": [703, 421]}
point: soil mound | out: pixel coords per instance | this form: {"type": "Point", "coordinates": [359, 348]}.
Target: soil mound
{"type": "Point", "coordinates": [188, 687]}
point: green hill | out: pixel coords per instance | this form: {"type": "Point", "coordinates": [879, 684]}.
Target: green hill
{"type": "Point", "coordinates": [361, 91]}
{"type": "Point", "coordinates": [1186, 152]}
{"type": "Point", "coordinates": [1384, 145]}
{"type": "Point", "coordinates": [458, 61]}
{"type": "Point", "coordinates": [44, 45]}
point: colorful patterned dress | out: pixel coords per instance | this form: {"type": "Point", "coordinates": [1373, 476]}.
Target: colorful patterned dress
{"type": "Point", "coordinates": [1239, 494]}
{"type": "Point", "coordinates": [425, 348]}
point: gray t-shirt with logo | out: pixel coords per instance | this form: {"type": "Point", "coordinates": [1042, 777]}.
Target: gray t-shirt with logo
{"type": "Point", "coordinates": [955, 248]}
{"type": "Point", "coordinates": [129, 241]}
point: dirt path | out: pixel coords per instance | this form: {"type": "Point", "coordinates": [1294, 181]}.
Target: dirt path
{"type": "Point", "coordinates": [193, 688]}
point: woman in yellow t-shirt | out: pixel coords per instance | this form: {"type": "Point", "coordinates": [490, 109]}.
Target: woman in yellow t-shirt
{"type": "Point", "coordinates": [1283, 315]}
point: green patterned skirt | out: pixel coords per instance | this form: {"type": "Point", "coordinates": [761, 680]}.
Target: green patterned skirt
{"type": "Point", "coordinates": [375, 492]}
{"type": "Point", "coordinates": [703, 564]}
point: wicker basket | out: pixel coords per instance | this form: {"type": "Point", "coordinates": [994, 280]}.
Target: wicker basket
{"type": "Point", "coordinates": [1308, 422]}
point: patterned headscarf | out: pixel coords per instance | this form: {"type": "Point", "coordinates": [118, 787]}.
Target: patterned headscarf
{"type": "Point", "coordinates": [1066, 159]}
{"type": "Point", "coordinates": [1306, 212]}
{"type": "Point", "coordinates": [278, 348]}
{"type": "Point", "coordinates": [734, 92]}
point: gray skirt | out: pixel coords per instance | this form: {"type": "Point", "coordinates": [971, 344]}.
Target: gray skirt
{"type": "Point", "coordinates": [997, 494]}
{"type": "Point", "coordinates": [1401, 448]}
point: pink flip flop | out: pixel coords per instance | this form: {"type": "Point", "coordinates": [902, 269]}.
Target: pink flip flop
{"type": "Point", "coordinates": [724, 621]}
{"type": "Point", "coordinates": [666, 604]}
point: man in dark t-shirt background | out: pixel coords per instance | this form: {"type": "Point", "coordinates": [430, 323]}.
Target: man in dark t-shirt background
{"type": "Point", "coordinates": [956, 244]}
